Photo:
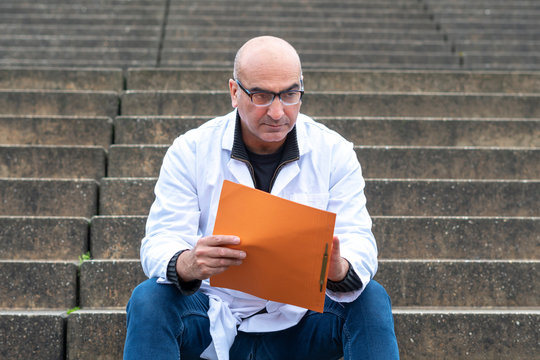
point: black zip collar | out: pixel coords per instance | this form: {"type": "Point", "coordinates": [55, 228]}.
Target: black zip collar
{"type": "Point", "coordinates": [291, 151]}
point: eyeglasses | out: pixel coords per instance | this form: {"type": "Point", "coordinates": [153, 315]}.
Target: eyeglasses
{"type": "Point", "coordinates": [265, 98]}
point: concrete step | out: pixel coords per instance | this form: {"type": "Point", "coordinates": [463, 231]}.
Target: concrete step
{"type": "Point", "coordinates": [154, 19]}
{"type": "Point", "coordinates": [502, 133]}
{"type": "Point", "coordinates": [319, 4]}
{"type": "Point", "coordinates": [303, 45]}
{"type": "Point", "coordinates": [501, 59]}
{"type": "Point", "coordinates": [38, 284]}
{"type": "Point", "coordinates": [56, 130]}
{"type": "Point", "coordinates": [116, 237]}
{"type": "Point", "coordinates": [286, 12]}
{"type": "Point", "coordinates": [294, 32]}
{"type": "Point", "coordinates": [173, 57]}
{"type": "Point", "coordinates": [493, 35]}
{"type": "Point", "coordinates": [53, 102]}
{"type": "Point", "coordinates": [462, 5]}
{"type": "Point", "coordinates": [49, 41]}
{"type": "Point", "coordinates": [343, 104]}
{"type": "Point", "coordinates": [80, 54]}
{"type": "Point", "coordinates": [43, 238]}
{"type": "Point", "coordinates": [399, 237]}
{"type": "Point", "coordinates": [352, 80]}
{"type": "Point", "coordinates": [377, 162]}
{"type": "Point", "coordinates": [479, 283]}
{"type": "Point", "coordinates": [489, 24]}
{"type": "Point", "coordinates": [466, 282]}
{"type": "Point", "coordinates": [423, 333]}
{"type": "Point", "coordinates": [33, 334]}
{"type": "Point", "coordinates": [81, 9]}
{"type": "Point", "coordinates": [83, 63]}
{"type": "Point", "coordinates": [52, 161]}
{"type": "Point", "coordinates": [386, 197]}
{"type": "Point", "coordinates": [133, 31]}
{"type": "Point", "coordinates": [494, 46]}
{"type": "Point", "coordinates": [98, 289]}
{"type": "Point", "coordinates": [305, 21]}
{"type": "Point", "coordinates": [48, 197]}
{"type": "Point", "coordinates": [62, 79]}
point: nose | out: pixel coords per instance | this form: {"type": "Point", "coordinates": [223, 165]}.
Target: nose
{"type": "Point", "coordinates": [275, 109]}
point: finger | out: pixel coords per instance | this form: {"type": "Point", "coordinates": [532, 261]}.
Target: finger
{"type": "Point", "coordinates": [336, 253]}
{"type": "Point", "coordinates": [220, 240]}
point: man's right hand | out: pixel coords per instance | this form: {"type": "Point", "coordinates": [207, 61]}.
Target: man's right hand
{"type": "Point", "coordinates": [209, 257]}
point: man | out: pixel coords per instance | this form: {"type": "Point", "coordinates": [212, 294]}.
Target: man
{"type": "Point", "coordinates": [265, 143]}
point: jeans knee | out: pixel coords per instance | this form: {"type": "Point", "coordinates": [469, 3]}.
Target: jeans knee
{"type": "Point", "coordinates": [148, 297]}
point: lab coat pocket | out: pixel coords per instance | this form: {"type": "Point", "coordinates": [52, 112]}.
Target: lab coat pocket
{"type": "Point", "coordinates": [319, 200]}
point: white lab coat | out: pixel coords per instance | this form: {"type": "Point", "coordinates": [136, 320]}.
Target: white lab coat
{"type": "Point", "coordinates": [327, 176]}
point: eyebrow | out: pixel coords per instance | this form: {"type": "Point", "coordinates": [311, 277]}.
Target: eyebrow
{"type": "Point", "coordinates": [258, 89]}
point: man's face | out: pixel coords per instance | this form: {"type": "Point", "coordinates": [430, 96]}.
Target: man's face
{"type": "Point", "coordinates": [264, 128]}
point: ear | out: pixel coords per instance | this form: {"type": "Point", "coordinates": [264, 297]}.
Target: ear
{"type": "Point", "coordinates": [233, 89]}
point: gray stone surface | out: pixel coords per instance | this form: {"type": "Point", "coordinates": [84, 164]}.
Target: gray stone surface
{"type": "Point", "coordinates": [422, 333]}
{"type": "Point", "coordinates": [116, 237]}
{"type": "Point", "coordinates": [43, 238]}
{"type": "Point", "coordinates": [452, 198]}
{"type": "Point", "coordinates": [377, 162]}
{"type": "Point", "coordinates": [343, 104]}
{"type": "Point", "coordinates": [35, 161]}
{"type": "Point", "coordinates": [109, 283]}
{"type": "Point", "coordinates": [56, 130]}
{"type": "Point", "coordinates": [448, 163]}
{"type": "Point", "coordinates": [96, 335]}
{"type": "Point", "coordinates": [451, 283]}
{"type": "Point", "coordinates": [135, 160]}
{"type": "Point", "coordinates": [127, 196]}
{"type": "Point", "coordinates": [38, 284]}
{"type": "Point", "coordinates": [60, 79]}
{"type": "Point", "coordinates": [467, 334]}
{"type": "Point", "coordinates": [154, 130]}
{"type": "Point", "coordinates": [49, 102]}
{"type": "Point", "coordinates": [32, 334]}
{"type": "Point", "coordinates": [348, 80]}
{"type": "Point", "coordinates": [473, 238]}
{"type": "Point", "coordinates": [38, 197]}
{"type": "Point", "coordinates": [361, 131]}
{"type": "Point", "coordinates": [437, 131]}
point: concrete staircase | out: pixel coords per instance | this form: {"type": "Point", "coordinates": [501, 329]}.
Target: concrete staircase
{"type": "Point", "coordinates": [454, 199]}
{"type": "Point", "coordinates": [451, 156]}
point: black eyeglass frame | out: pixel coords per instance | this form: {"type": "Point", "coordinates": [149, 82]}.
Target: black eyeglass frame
{"type": "Point", "coordinates": [251, 93]}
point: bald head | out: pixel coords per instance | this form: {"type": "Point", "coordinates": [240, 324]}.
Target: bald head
{"type": "Point", "coordinates": [266, 53]}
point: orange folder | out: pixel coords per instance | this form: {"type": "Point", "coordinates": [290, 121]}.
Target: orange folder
{"type": "Point", "coordinates": [288, 246]}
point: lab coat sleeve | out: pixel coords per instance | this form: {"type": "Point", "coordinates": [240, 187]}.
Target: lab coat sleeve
{"type": "Point", "coordinates": [173, 221]}
{"type": "Point", "coordinates": [353, 223]}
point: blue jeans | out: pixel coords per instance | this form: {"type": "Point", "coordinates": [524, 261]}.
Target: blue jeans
{"type": "Point", "coordinates": [164, 324]}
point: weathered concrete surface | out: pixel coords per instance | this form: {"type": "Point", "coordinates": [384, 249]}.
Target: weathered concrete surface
{"type": "Point", "coordinates": [38, 197]}
{"type": "Point", "coordinates": [96, 335]}
{"type": "Point", "coordinates": [43, 238]}
{"type": "Point", "coordinates": [32, 334]}
{"type": "Point", "coordinates": [447, 283]}
{"type": "Point", "coordinates": [38, 284]}
{"type": "Point", "coordinates": [128, 196]}
{"type": "Point", "coordinates": [214, 103]}
{"type": "Point", "coordinates": [154, 130]}
{"type": "Point", "coordinates": [60, 79]}
{"type": "Point", "coordinates": [457, 238]}
{"type": "Point", "coordinates": [377, 162]}
{"type": "Point", "coordinates": [109, 283]}
{"type": "Point", "coordinates": [52, 102]}
{"type": "Point", "coordinates": [42, 161]}
{"type": "Point", "coordinates": [135, 160]}
{"type": "Point", "coordinates": [56, 130]}
{"type": "Point", "coordinates": [389, 131]}
{"type": "Point", "coordinates": [423, 334]}
{"type": "Point", "coordinates": [116, 237]}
